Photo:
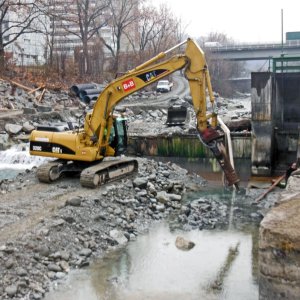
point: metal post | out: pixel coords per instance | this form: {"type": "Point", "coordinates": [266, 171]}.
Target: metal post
{"type": "Point", "coordinates": [282, 31]}
{"type": "Point", "coordinates": [282, 40]}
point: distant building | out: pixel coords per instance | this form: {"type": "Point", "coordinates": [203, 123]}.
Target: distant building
{"type": "Point", "coordinates": [58, 31]}
{"type": "Point", "coordinates": [28, 48]}
{"type": "Point", "coordinates": [65, 31]}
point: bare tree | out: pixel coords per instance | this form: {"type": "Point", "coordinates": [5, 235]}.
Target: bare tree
{"type": "Point", "coordinates": [83, 19]}
{"type": "Point", "coordinates": [124, 14]}
{"type": "Point", "coordinates": [149, 17]}
{"type": "Point", "coordinates": [164, 31]}
{"type": "Point", "coordinates": [47, 28]}
{"type": "Point", "coordinates": [157, 30]}
{"type": "Point", "coordinates": [141, 40]}
{"type": "Point", "coordinates": [221, 70]}
{"type": "Point", "coordinates": [16, 19]}
{"type": "Point", "coordinates": [180, 30]}
{"type": "Point", "coordinates": [222, 38]}
{"type": "Point", "coordinates": [49, 32]}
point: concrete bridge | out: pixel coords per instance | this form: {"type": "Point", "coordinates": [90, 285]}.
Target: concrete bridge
{"type": "Point", "coordinates": [244, 52]}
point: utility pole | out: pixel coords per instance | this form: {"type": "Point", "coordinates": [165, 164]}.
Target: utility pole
{"type": "Point", "coordinates": [282, 31]}
{"type": "Point", "coordinates": [282, 41]}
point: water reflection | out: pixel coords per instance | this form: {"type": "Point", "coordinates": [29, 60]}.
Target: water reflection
{"type": "Point", "coordinates": [218, 267]}
{"type": "Point", "coordinates": [222, 265]}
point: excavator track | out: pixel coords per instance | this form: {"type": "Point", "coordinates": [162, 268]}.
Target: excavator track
{"type": "Point", "coordinates": [49, 172]}
{"type": "Point", "coordinates": [92, 176]}
{"type": "Point", "coordinates": [103, 172]}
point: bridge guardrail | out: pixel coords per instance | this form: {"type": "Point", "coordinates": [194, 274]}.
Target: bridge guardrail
{"type": "Point", "coordinates": [241, 47]}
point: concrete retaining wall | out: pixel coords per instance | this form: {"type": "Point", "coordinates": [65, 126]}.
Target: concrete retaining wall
{"type": "Point", "coordinates": [275, 120]}
{"type": "Point", "coordinates": [279, 247]}
{"type": "Point", "coordinates": [262, 124]}
{"type": "Point", "coordinates": [183, 146]}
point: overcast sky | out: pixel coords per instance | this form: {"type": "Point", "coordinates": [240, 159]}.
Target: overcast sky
{"type": "Point", "coordinates": [243, 20]}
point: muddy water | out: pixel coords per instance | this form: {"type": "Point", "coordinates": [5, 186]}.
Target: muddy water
{"type": "Point", "coordinates": [222, 265]}
{"type": "Point", "coordinates": [209, 168]}
{"type": "Point", "coordinates": [218, 267]}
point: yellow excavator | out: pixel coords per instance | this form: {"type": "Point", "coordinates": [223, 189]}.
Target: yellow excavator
{"type": "Point", "coordinates": [103, 135]}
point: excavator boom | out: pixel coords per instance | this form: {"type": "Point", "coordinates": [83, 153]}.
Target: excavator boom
{"type": "Point", "coordinates": [92, 143]}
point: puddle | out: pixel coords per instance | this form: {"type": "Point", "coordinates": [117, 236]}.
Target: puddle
{"type": "Point", "coordinates": [222, 265]}
{"type": "Point", "coordinates": [218, 267]}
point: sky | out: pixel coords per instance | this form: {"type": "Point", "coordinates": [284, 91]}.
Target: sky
{"type": "Point", "coordinates": [244, 21]}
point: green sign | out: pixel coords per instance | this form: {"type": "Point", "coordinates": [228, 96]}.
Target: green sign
{"type": "Point", "coordinates": [295, 35]}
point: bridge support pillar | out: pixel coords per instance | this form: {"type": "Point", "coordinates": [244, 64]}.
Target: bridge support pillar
{"type": "Point", "coordinates": [275, 99]}
{"type": "Point", "coordinates": [262, 125]}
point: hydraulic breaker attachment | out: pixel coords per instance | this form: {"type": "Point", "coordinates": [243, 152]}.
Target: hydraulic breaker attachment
{"type": "Point", "coordinates": [214, 141]}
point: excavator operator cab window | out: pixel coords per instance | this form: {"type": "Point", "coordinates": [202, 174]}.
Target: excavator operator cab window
{"type": "Point", "coordinates": [112, 136]}
{"type": "Point", "coordinates": [118, 136]}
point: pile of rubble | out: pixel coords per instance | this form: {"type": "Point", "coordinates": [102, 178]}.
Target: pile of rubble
{"type": "Point", "coordinates": [15, 96]}
{"type": "Point", "coordinates": [23, 108]}
{"type": "Point", "coordinates": [236, 113]}
{"type": "Point", "coordinates": [85, 225]}
{"type": "Point", "coordinates": [69, 225]}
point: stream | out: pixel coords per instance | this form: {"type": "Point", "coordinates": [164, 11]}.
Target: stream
{"type": "Point", "coordinates": [222, 265]}
{"type": "Point", "coordinates": [16, 160]}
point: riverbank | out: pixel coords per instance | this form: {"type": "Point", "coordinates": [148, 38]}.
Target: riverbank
{"type": "Point", "coordinates": [46, 230]}
{"type": "Point", "coordinates": [279, 246]}
{"type": "Point", "coordinates": [49, 229]}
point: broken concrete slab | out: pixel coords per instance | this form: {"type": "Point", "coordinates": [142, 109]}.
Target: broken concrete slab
{"type": "Point", "coordinates": [13, 129]}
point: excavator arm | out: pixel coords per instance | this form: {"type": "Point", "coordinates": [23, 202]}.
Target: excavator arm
{"type": "Point", "coordinates": [98, 123]}
{"type": "Point", "coordinates": [91, 144]}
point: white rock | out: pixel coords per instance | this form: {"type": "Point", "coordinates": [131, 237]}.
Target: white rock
{"type": "Point", "coordinates": [184, 244]}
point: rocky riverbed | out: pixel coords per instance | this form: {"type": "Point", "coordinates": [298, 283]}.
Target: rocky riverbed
{"type": "Point", "coordinates": [46, 230]}
{"type": "Point", "coordinates": [21, 111]}
{"type": "Point", "coordinates": [49, 229]}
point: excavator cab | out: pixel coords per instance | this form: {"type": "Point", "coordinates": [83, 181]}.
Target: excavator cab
{"type": "Point", "coordinates": [118, 136]}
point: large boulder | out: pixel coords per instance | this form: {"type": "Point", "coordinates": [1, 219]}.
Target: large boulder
{"type": "Point", "coordinates": [118, 236]}
{"type": "Point", "coordinates": [29, 111]}
{"type": "Point", "coordinates": [43, 108]}
{"type": "Point", "coordinates": [183, 244]}
{"type": "Point", "coordinates": [140, 182]}
{"type": "Point", "coordinates": [27, 127]}
{"type": "Point", "coordinates": [4, 141]}
{"type": "Point", "coordinates": [279, 246]}
{"type": "Point", "coordinates": [13, 129]}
